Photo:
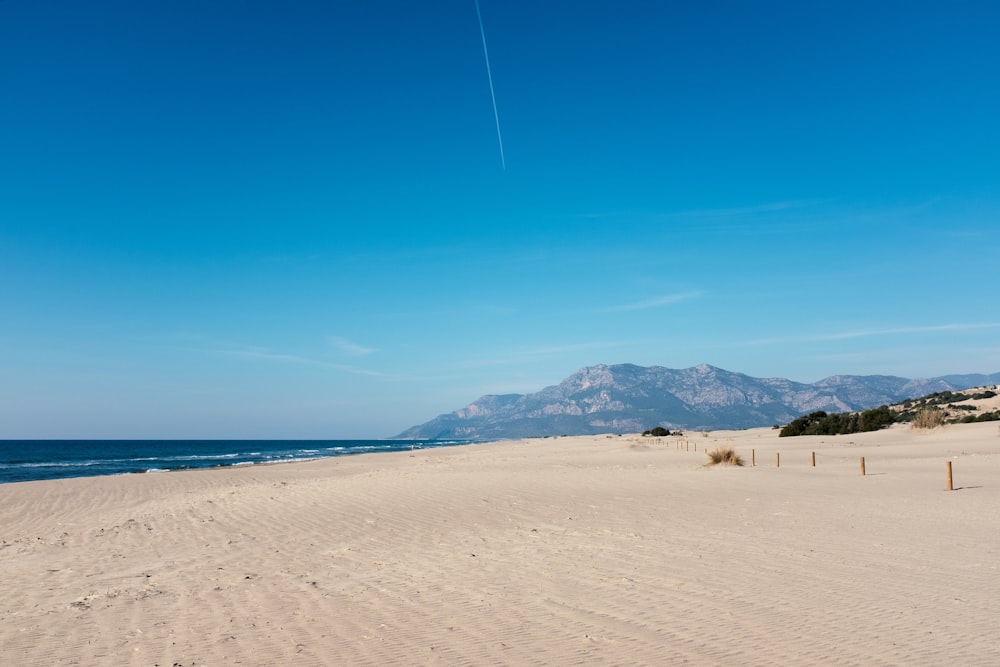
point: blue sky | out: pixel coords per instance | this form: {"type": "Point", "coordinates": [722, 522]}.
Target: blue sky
{"type": "Point", "coordinates": [250, 219]}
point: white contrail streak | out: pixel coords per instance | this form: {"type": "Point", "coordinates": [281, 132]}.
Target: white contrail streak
{"type": "Point", "coordinates": [489, 74]}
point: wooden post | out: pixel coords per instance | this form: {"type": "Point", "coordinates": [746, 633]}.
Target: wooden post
{"type": "Point", "coordinates": [687, 446]}
{"type": "Point", "coordinates": [814, 459]}
{"type": "Point", "coordinates": [862, 466]}
{"type": "Point", "coordinates": [950, 486]}
{"type": "Point", "coordinates": [777, 459]}
{"type": "Point", "coordinates": [753, 457]}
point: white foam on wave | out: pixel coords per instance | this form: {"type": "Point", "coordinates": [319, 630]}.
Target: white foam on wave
{"type": "Point", "coordinates": [56, 464]}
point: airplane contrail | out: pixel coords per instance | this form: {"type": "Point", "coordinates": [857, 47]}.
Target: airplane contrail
{"type": "Point", "coordinates": [489, 75]}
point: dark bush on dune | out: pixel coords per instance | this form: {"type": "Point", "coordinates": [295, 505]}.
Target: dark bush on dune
{"type": "Point", "coordinates": [821, 423]}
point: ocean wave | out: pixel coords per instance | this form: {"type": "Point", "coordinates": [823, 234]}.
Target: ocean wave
{"type": "Point", "coordinates": [204, 457]}
{"type": "Point", "coordinates": [53, 464]}
{"type": "Point", "coordinates": [34, 460]}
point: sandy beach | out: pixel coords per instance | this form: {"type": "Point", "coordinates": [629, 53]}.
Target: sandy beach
{"type": "Point", "coordinates": [571, 550]}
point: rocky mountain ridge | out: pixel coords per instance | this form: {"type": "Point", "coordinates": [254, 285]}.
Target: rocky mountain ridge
{"type": "Point", "coordinates": [627, 398]}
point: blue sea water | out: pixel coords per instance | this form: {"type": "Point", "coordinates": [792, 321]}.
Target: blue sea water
{"type": "Point", "coordinates": [26, 460]}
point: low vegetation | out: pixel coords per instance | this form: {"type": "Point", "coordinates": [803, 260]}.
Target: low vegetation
{"type": "Point", "coordinates": [821, 423]}
{"type": "Point", "coordinates": [984, 417]}
{"type": "Point", "coordinates": [724, 455]}
{"type": "Point", "coordinates": [660, 432]}
{"type": "Point", "coordinates": [931, 411]}
{"type": "Point", "coordinates": [928, 418]}
{"type": "Point", "coordinates": [946, 397]}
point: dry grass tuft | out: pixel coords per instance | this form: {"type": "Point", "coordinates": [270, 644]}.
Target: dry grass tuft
{"type": "Point", "coordinates": [726, 455]}
{"type": "Point", "coordinates": [928, 418]}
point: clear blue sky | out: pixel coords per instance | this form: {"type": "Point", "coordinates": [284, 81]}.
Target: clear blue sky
{"type": "Point", "coordinates": [239, 218]}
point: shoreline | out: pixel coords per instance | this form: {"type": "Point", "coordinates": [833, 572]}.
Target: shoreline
{"type": "Point", "coordinates": [37, 460]}
{"type": "Point", "coordinates": [596, 549]}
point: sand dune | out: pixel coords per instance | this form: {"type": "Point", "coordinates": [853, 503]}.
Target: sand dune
{"type": "Point", "coordinates": [582, 550]}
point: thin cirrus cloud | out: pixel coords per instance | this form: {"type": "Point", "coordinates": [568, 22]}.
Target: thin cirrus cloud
{"type": "Point", "coordinates": [267, 355]}
{"type": "Point", "coordinates": [657, 302]}
{"type": "Point", "coordinates": [754, 209]}
{"type": "Point", "coordinates": [870, 333]}
{"type": "Point", "coordinates": [910, 330]}
{"type": "Point", "coordinates": [751, 209]}
{"type": "Point", "coordinates": [570, 347]}
{"type": "Point", "coordinates": [259, 353]}
{"type": "Point", "coordinates": [350, 347]}
{"type": "Point", "coordinates": [516, 356]}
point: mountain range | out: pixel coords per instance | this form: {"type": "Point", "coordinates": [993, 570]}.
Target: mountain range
{"type": "Point", "coordinates": [625, 398]}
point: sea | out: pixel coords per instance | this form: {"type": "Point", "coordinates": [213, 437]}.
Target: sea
{"type": "Point", "coordinates": [27, 460]}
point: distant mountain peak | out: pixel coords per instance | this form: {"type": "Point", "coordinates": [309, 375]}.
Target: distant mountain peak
{"type": "Point", "coordinates": [628, 398]}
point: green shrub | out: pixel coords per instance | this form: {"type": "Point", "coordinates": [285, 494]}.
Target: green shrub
{"type": "Point", "coordinates": [985, 417]}
{"type": "Point", "coordinates": [820, 423]}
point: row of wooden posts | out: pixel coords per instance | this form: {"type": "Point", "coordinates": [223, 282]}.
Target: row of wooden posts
{"type": "Point", "coordinates": [777, 464]}
{"type": "Point", "coordinates": [777, 460]}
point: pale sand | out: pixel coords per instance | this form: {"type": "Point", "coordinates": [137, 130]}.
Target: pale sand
{"type": "Point", "coordinates": [580, 550]}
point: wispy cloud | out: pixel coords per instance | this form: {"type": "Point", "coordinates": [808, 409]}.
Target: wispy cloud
{"type": "Point", "coordinates": [866, 333]}
{"type": "Point", "coordinates": [750, 209]}
{"type": "Point", "coordinates": [206, 345]}
{"type": "Point", "coordinates": [657, 302]}
{"type": "Point", "coordinates": [870, 333]}
{"type": "Point", "coordinates": [263, 354]}
{"type": "Point", "coordinates": [600, 215]}
{"type": "Point", "coordinates": [521, 355]}
{"type": "Point", "coordinates": [753, 209]}
{"type": "Point", "coordinates": [350, 347]}
{"type": "Point", "coordinates": [571, 347]}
